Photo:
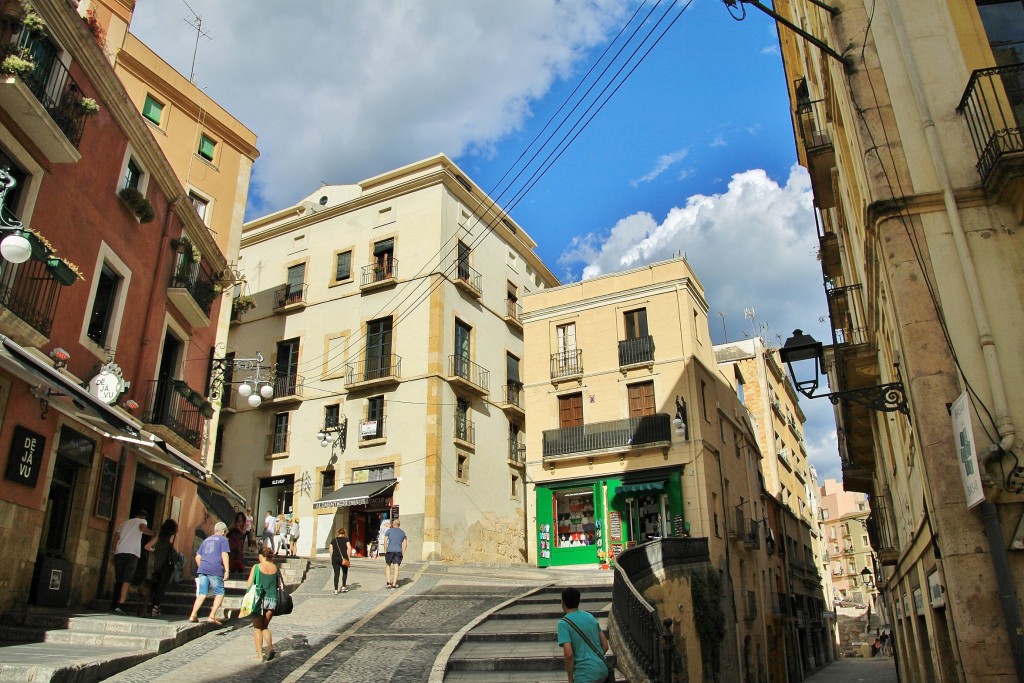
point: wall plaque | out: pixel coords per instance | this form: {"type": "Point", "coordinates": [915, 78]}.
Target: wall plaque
{"type": "Point", "coordinates": [26, 456]}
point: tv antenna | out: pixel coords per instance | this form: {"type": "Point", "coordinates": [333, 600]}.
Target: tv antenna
{"type": "Point", "coordinates": [197, 24]}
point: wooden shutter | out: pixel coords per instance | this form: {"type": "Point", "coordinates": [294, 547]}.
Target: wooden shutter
{"type": "Point", "coordinates": [570, 410]}
{"type": "Point", "coordinates": [641, 399]}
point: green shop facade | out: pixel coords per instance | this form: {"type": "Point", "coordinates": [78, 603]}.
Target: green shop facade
{"type": "Point", "coordinates": [588, 521]}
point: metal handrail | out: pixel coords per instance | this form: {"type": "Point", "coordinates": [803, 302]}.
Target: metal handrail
{"type": "Point", "coordinates": [386, 366]}
{"type": "Point", "coordinates": [567, 363]}
{"type": "Point", "coordinates": [626, 433]}
{"type": "Point", "coordinates": [277, 442]}
{"type": "Point", "coordinates": [288, 385]}
{"type": "Point", "coordinates": [197, 280]}
{"type": "Point", "coordinates": [379, 272]}
{"type": "Point", "coordinates": [513, 394]}
{"type": "Point", "coordinates": [993, 107]}
{"type": "Point", "coordinates": [53, 86]}
{"type": "Point", "coordinates": [636, 350]}
{"type": "Point", "coordinates": [31, 292]}
{"type": "Point", "coordinates": [647, 637]}
{"type": "Point", "coordinates": [467, 274]}
{"type": "Point", "coordinates": [290, 294]}
{"type": "Point", "coordinates": [513, 310]}
{"type": "Point", "coordinates": [464, 368]}
{"type": "Point", "coordinates": [166, 406]}
{"type": "Point", "coordinates": [516, 450]}
{"type": "Point", "coordinates": [465, 430]}
{"type": "Point", "coordinates": [372, 429]}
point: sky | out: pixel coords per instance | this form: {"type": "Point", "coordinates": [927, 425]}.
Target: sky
{"type": "Point", "coordinates": [677, 136]}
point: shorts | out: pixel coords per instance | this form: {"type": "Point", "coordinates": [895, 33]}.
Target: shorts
{"type": "Point", "coordinates": [393, 558]}
{"type": "Point", "coordinates": [204, 582]}
{"type": "Point", "coordinates": [124, 567]}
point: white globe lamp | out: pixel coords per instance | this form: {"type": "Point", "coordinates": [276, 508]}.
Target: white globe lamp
{"type": "Point", "coordinates": [255, 401]}
{"type": "Point", "coordinates": [267, 391]}
{"type": "Point", "coordinates": [244, 390]}
{"type": "Point", "coordinates": [16, 248]}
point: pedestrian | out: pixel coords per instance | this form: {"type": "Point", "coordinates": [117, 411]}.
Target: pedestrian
{"type": "Point", "coordinates": [250, 540]}
{"type": "Point", "coordinates": [876, 646]}
{"type": "Point", "coordinates": [212, 560]}
{"type": "Point", "coordinates": [885, 642]}
{"type": "Point", "coordinates": [280, 533]}
{"type": "Point", "coordinates": [380, 547]}
{"type": "Point", "coordinates": [293, 534]}
{"type": "Point", "coordinates": [264, 573]}
{"type": "Point", "coordinates": [579, 635]}
{"type": "Point", "coordinates": [161, 549]}
{"type": "Point", "coordinates": [397, 542]}
{"type": "Point", "coordinates": [236, 541]}
{"type": "Point", "coordinates": [268, 529]}
{"type": "Point", "coordinates": [341, 551]}
{"type": "Point", "coordinates": [127, 549]}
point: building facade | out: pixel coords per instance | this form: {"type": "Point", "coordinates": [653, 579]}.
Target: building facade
{"type": "Point", "coordinates": [845, 518]}
{"type": "Point", "coordinates": [912, 141]}
{"type": "Point", "coordinates": [101, 396]}
{"type": "Point", "coordinates": [380, 305]}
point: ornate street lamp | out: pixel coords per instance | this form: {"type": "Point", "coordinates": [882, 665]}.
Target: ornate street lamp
{"type": "Point", "coordinates": [803, 354]}
{"type": "Point", "coordinates": [254, 388]}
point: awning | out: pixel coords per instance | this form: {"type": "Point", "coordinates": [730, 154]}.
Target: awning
{"type": "Point", "coordinates": [216, 503]}
{"type": "Point", "coordinates": [642, 487]}
{"type": "Point", "coordinates": [219, 484]}
{"type": "Point", "coordinates": [36, 371]}
{"type": "Point", "coordinates": [190, 465]}
{"type": "Point", "coordinates": [355, 494]}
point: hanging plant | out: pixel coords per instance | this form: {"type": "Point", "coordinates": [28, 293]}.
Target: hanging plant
{"type": "Point", "coordinates": [138, 204]}
{"type": "Point", "coordinates": [196, 399]}
{"type": "Point", "coordinates": [243, 303]}
{"type": "Point", "coordinates": [92, 23]}
{"type": "Point", "coordinates": [197, 255]}
{"type": "Point", "coordinates": [88, 106]}
{"type": "Point", "coordinates": [17, 65]}
{"type": "Point", "coordinates": [31, 21]}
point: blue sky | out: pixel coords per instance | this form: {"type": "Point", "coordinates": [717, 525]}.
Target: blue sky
{"type": "Point", "coordinates": [694, 153]}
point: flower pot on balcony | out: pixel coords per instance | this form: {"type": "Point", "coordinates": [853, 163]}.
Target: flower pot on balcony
{"type": "Point", "coordinates": [206, 409]}
{"type": "Point", "coordinates": [196, 399]}
{"type": "Point", "coordinates": [137, 204]}
{"type": "Point", "coordinates": [62, 271]}
{"type": "Point", "coordinates": [40, 248]}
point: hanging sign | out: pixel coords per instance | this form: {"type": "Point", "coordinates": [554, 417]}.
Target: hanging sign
{"type": "Point", "coordinates": [26, 456]}
{"type": "Point", "coordinates": [963, 433]}
{"type": "Point", "coordinates": [108, 384]}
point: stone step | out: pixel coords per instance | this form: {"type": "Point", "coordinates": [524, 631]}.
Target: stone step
{"type": "Point", "coordinates": [507, 656]}
{"type": "Point", "coordinates": [58, 662]}
{"type": "Point", "coordinates": [522, 676]}
{"type": "Point", "coordinates": [520, 611]}
{"type": "Point", "coordinates": [536, 630]}
{"type": "Point", "coordinates": [114, 640]}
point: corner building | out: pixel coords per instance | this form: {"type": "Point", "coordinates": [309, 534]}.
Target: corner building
{"type": "Point", "coordinates": [387, 313]}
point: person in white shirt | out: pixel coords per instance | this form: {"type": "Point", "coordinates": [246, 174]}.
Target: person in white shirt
{"type": "Point", "coordinates": [127, 549]}
{"type": "Point", "coordinates": [269, 522]}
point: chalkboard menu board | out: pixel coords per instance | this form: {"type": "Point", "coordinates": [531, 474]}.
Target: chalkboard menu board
{"type": "Point", "coordinates": [105, 494]}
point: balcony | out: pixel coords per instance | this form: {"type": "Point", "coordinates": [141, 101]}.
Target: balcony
{"type": "Point", "coordinates": [467, 279]}
{"type": "Point", "coordinates": [738, 531]}
{"type": "Point", "coordinates": [172, 416]}
{"type": "Point", "coordinates": [277, 445]}
{"type": "Point", "coordinates": [28, 302]}
{"type": "Point", "coordinates": [46, 102]}
{"type": "Point", "coordinates": [378, 275]}
{"type": "Point", "coordinates": [811, 119]}
{"type": "Point", "coordinates": [993, 107]}
{"type": "Point", "coordinates": [780, 605]}
{"type": "Point", "coordinates": [288, 388]}
{"type": "Point", "coordinates": [512, 399]}
{"type": "Point", "coordinates": [638, 351]}
{"type": "Point", "coordinates": [514, 314]}
{"type": "Point", "coordinates": [465, 374]}
{"type": "Point", "coordinates": [372, 430]}
{"type": "Point", "coordinates": [465, 431]}
{"type": "Point", "coordinates": [372, 372]}
{"type": "Point", "coordinates": [191, 292]}
{"type": "Point", "coordinates": [291, 298]}
{"type": "Point", "coordinates": [516, 452]}
{"type": "Point", "coordinates": [612, 436]}
{"type": "Point", "coordinates": [880, 532]}
{"type": "Point", "coordinates": [843, 308]}
{"type": "Point", "coordinates": [567, 364]}
{"type": "Point", "coordinates": [751, 606]}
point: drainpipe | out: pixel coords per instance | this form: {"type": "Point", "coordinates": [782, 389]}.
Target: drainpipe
{"type": "Point", "coordinates": [1004, 423]}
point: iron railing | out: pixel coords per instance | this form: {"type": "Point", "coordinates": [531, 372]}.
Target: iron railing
{"type": "Point", "coordinates": [277, 442]}
{"type": "Point", "coordinates": [516, 451]}
{"type": "Point", "coordinates": [197, 280]}
{"type": "Point", "coordinates": [993, 107]}
{"type": "Point", "coordinates": [513, 394]}
{"type": "Point", "coordinates": [879, 528]}
{"type": "Point", "coordinates": [372, 429]}
{"type": "Point", "coordinates": [646, 636]}
{"type": "Point", "coordinates": [468, 275]}
{"type": "Point", "coordinates": [567, 363]}
{"type": "Point", "coordinates": [513, 310]}
{"type": "Point", "coordinates": [379, 272]}
{"type": "Point", "coordinates": [632, 432]}
{"type": "Point", "coordinates": [375, 368]}
{"type": "Point", "coordinates": [464, 429]}
{"type": "Point", "coordinates": [288, 385]}
{"type": "Point", "coordinates": [811, 122]}
{"type": "Point", "coordinates": [31, 292]}
{"type": "Point", "coordinates": [464, 368]}
{"type": "Point", "coordinates": [53, 86]}
{"type": "Point", "coordinates": [168, 407]}
{"type": "Point", "coordinates": [289, 295]}
{"type": "Point", "coordinates": [635, 351]}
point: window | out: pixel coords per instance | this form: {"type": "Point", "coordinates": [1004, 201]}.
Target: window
{"type": "Point", "coordinates": [343, 266]}
{"type": "Point", "coordinates": [463, 261]}
{"type": "Point", "coordinates": [374, 473]}
{"type": "Point", "coordinates": [279, 438]}
{"type": "Point", "coordinates": [567, 361]}
{"type": "Point", "coordinates": [296, 282]}
{"type": "Point", "coordinates": [384, 258]}
{"type": "Point", "coordinates": [570, 411]}
{"type": "Point", "coordinates": [133, 174]}
{"type": "Point", "coordinates": [326, 482]}
{"type": "Point", "coordinates": [515, 486]}
{"type": "Point", "coordinates": [704, 400]}
{"type": "Point", "coordinates": [462, 467]}
{"type": "Point", "coordinates": [636, 323]}
{"type": "Point", "coordinates": [200, 204]}
{"type": "Point", "coordinates": [153, 109]}
{"type": "Point", "coordinates": [515, 384]}
{"type": "Point", "coordinates": [463, 335]}
{"type": "Point", "coordinates": [462, 421]}
{"type": "Point", "coordinates": [1004, 25]}
{"type": "Point", "coordinates": [287, 368]}
{"type": "Point", "coordinates": [378, 349]}
{"type": "Point", "coordinates": [573, 512]}
{"type": "Point", "coordinates": [207, 147]}
{"type": "Point", "coordinates": [103, 305]}
{"type": "Point", "coordinates": [641, 399]}
{"type": "Point", "coordinates": [373, 425]}
{"type": "Point", "coordinates": [332, 415]}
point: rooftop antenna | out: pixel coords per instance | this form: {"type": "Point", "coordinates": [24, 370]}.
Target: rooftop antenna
{"type": "Point", "coordinates": [725, 332]}
{"type": "Point", "coordinates": [197, 24]}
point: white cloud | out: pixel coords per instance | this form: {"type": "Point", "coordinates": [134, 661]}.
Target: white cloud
{"type": "Point", "coordinates": [718, 141]}
{"type": "Point", "coordinates": [665, 162]}
{"type": "Point", "coordinates": [393, 82]}
{"type": "Point", "coordinates": [770, 50]}
{"type": "Point", "coordinates": [822, 448]}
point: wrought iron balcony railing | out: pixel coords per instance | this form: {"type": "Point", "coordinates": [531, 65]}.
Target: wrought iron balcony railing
{"type": "Point", "coordinates": [372, 429]}
{"type": "Point", "coordinates": [513, 394]}
{"type": "Point", "coordinates": [379, 272]}
{"type": "Point", "coordinates": [30, 291]}
{"type": "Point", "coordinates": [288, 386]}
{"type": "Point", "coordinates": [629, 433]}
{"type": "Point", "coordinates": [464, 429]}
{"type": "Point", "coordinates": [168, 407]}
{"type": "Point", "coordinates": [53, 86]}
{"type": "Point", "coordinates": [993, 107]}
{"type": "Point", "coordinates": [386, 367]}
{"type": "Point", "coordinates": [468, 278]}
{"type": "Point", "coordinates": [811, 122]}
{"type": "Point", "coordinates": [880, 533]}
{"type": "Point", "coordinates": [197, 280]}
{"type": "Point", "coordinates": [566, 363]}
{"type": "Point", "coordinates": [513, 311]}
{"type": "Point", "coordinates": [290, 295]}
{"type": "Point", "coordinates": [277, 443]}
{"type": "Point", "coordinates": [462, 368]}
{"type": "Point", "coordinates": [636, 351]}
{"type": "Point", "coordinates": [516, 451]}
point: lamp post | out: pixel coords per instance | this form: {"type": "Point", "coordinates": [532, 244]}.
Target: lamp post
{"type": "Point", "coordinates": [256, 388]}
{"type": "Point", "coordinates": [803, 354]}
{"type": "Point", "coordinates": [14, 247]}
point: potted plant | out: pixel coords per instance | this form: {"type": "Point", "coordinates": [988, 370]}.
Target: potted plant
{"type": "Point", "coordinates": [64, 271]}
{"type": "Point", "coordinates": [137, 204]}
{"type": "Point", "coordinates": [88, 106]}
{"type": "Point", "coordinates": [243, 303]}
{"type": "Point", "coordinates": [17, 65]}
{"type": "Point", "coordinates": [206, 409]}
{"type": "Point", "coordinates": [196, 399]}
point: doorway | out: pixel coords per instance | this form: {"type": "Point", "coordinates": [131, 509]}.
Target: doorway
{"type": "Point", "coordinates": [166, 374]}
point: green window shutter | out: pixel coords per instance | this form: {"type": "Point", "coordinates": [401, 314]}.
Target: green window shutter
{"type": "Point", "coordinates": [206, 147]}
{"type": "Point", "coordinates": [153, 110]}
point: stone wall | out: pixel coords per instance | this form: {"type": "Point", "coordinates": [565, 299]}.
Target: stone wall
{"type": "Point", "coordinates": [489, 540]}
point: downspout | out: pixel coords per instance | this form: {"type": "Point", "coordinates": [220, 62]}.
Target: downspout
{"type": "Point", "coordinates": [1004, 423]}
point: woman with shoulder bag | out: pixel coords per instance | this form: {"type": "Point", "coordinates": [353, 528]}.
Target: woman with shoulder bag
{"type": "Point", "coordinates": [341, 550]}
{"type": "Point", "coordinates": [162, 550]}
{"type": "Point", "coordinates": [265, 574]}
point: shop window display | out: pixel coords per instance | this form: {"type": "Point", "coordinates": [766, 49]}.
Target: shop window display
{"type": "Point", "coordinates": [574, 518]}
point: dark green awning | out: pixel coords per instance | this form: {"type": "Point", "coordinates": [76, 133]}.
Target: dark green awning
{"type": "Point", "coordinates": [639, 488]}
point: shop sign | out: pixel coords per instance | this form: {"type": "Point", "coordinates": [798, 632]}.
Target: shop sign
{"type": "Point", "coordinates": [369, 429]}
{"type": "Point", "coordinates": [936, 592]}
{"type": "Point", "coordinates": [617, 549]}
{"type": "Point", "coordinates": [26, 457]}
{"type": "Point", "coordinates": [394, 511]}
{"type": "Point", "coordinates": [963, 433]}
{"type": "Point", "coordinates": [378, 502]}
{"type": "Point", "coordinates": [278, 482]}
{"type": "Point", "coordinates": [108, 384]}
{"type": "Point", "coordinates": [678, 528]}
{"type": "Point", "coordinates": [615, 525]}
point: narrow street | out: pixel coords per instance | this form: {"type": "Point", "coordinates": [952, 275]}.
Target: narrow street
{"type": "Point", "coordinates": [854, 669]}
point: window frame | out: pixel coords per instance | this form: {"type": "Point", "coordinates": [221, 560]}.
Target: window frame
{"type": "Point", "coordinates": [108, 257]}
{"type": "Point", "coordinates": [207, 141]}
{"type": "Point", "coordinates": [337, 259]}
{"type": "Point", "coordinates": [158, 122]}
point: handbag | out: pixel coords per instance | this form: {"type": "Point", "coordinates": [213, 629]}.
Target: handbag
{"type": "Point", "coordinates": [252, 601]}
{"type": "Point", "coordinates": [284, 601]}
{"type": "Point", "coordinates": [345, 562]}
{"type": "Point", "coordinates": [610, 678]}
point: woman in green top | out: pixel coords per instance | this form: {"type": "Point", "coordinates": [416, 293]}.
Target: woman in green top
{"type": "Point", "coordinates": [265, 574]}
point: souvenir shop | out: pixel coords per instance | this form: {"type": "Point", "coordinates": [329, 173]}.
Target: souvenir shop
{"type": "Point", "coordinates": [587, 521]}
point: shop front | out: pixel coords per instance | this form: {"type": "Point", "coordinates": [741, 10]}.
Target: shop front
{"type": "Point", "coordinates": [587, 521]}
{"type": "Point", "coordinates": [368, 504]}
{"type": "Point", "coordinates": [275, 495]}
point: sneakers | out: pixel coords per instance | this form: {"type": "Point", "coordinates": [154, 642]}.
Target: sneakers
{"type": "Point", "coordinates": [343, 590]}
{"type": "Point", "coordinates": [120, 612]}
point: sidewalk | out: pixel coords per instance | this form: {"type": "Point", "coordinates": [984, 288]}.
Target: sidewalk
{"type": "Point", "coordinates": [857, 669]}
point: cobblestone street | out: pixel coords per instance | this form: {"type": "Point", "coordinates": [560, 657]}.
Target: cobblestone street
{"type": "Point", "coordinates": [369, 634]}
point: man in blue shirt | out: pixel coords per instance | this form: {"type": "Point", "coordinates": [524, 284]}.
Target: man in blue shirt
{"type": "Point", "coordinates": [580, 635]}
{"type": "Point", "coordinates": [397, 542]}
{"type": "Point", "coordinates": [212, 560]}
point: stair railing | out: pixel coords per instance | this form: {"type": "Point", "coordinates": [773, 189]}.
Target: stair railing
{"type": "Point", "coordinates": [647, 637]}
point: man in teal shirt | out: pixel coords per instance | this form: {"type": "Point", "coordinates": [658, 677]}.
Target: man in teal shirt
{"type": "Point", "coordinates": [583, 663]}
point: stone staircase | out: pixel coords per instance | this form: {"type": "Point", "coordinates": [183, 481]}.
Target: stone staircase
{"type": "Point", "coordinates": [519, 642]}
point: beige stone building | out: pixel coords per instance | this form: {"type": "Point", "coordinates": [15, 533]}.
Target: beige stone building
{"type": "Point", "coordinates": [635, 435]}
{"type": "Point", "coordinates": [913, 147]}
{"type": "Point", "coordinates": [387, 314]}
{"type": "Point", "coordinates": [844, 515]}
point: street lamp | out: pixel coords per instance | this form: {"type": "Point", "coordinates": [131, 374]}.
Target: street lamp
{"type": "Point", "coordinates": [255, 388]}
{"type": "Point", "coordinates": [866, 576]}
{"type": "Point", "coordinates": [803, 354]}
{"type": "Point", "coordinates": [15, 247]}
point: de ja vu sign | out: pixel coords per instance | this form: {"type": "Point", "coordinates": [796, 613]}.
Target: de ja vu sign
{"type": "Point", "coordinates": [26, 456]}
